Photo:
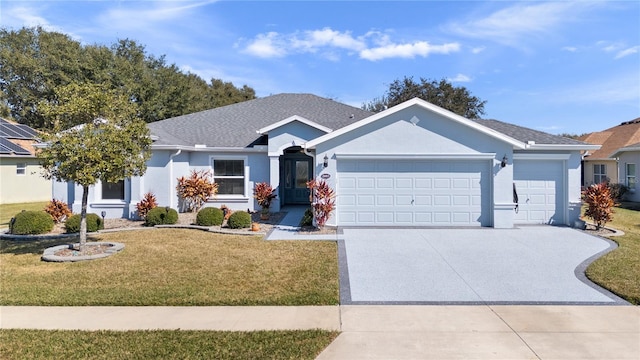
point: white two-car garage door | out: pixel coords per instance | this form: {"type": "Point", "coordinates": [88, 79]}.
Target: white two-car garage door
{"type": "Point", "coordinates": [413, 193]}
{"type": "Point", "coordinates": [539, 185]}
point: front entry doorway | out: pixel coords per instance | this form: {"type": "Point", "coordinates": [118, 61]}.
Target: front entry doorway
{"type": "Point", "coordinates": [296, 168]}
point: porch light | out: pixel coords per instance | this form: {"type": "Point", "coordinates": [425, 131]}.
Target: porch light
{"type": "Point", "coordinates": [103, 213]}
{"type": "Point", "coordinates": [326, 161]}
{"type": "Point", "coordinates": [504, 161]}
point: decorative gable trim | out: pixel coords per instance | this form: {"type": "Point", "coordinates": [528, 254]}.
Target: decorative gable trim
{"type": "Point", "coordinates": [291, 119]}
{"type": "Point", "coordinates": [425, 105]}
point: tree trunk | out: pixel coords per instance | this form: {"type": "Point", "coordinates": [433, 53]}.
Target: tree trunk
{"type": "Point", "coordinates": [83, 218]}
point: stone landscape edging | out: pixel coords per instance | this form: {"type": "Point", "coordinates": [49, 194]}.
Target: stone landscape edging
{"type": "Point", "coordinates": [50, 253]}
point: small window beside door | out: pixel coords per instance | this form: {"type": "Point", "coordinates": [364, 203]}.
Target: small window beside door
{"type": "Point", "coordinates": [630, 171]}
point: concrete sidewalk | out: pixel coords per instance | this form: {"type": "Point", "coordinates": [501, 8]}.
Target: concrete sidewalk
{"type": "Point", "coordinates": [288, 227]}
{"type": "Point", "coordinates": [384, 332]}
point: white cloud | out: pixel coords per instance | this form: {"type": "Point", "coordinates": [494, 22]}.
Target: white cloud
{"type": "Point", "coordinates": [627, 52]}
{"type": "Point", "coordinates": [478, 50]}
{"type": "Point", "coordinates": [570, 48]}
{"type": "Point", "coordinates": [460, 78]}
{"type": "Point", "coordinates": [420, 48]}
{"type": "Point", "coordinates": [620, 89]}
{"type": "Point", "coordinates": [266, 46]}
{"type": "Point", "coordinates": [371, 46]}
{"type": "Point", "coordinates": [515, 24]}
{"type": "Point", "coordinates": [24, 16]}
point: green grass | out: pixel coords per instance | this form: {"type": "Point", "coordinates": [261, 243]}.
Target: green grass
{"type": "Point", "coordinates": [174, 267]}
{"type": "Point", "coordinates": [7, 211]}
{"type": "Point", "coordinates": [619, 270]}
{"type": "Point", "coordinates": [163, 344]}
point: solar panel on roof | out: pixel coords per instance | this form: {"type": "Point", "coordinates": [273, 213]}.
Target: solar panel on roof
{"type": "Point", "coordinates": [8, 145]}
{"type": "Point", "coordinates": [16, 131]}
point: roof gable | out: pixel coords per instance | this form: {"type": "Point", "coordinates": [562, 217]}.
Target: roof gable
{"type": "Point", "coordinates": [291, 119]}
{"type": "Point", "coordinates": [423, 104]}
{"type": "Point", "coordinates": [612, 139]}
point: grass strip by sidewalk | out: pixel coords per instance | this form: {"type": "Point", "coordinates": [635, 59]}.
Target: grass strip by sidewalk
{"type": "Point", "coordinates": [619, 270]}
{"type": "Point", "coordinates": [162, 344]}
{"type": "Point", "coordinates": [174, 267]}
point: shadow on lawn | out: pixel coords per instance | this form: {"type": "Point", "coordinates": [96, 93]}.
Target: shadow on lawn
{"type": "Point", "coordinates": [21, 247]}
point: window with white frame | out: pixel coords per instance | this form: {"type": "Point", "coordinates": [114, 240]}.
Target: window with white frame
{"type": "Point", "coordinates": [229, 174]}
{"type": "Point", "coordinates": [630, 171]}
{"type": "Point", "coordinates": [21, 169]}
{"type": "Point", "coordinates": [599, 173]}
{"type": "Point", "coordinates": [113, 190]}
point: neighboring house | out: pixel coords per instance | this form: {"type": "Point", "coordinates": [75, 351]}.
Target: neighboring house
{"type": "Point", "coordinates": [415, 164]}
{"type": "Point", "coordinates": [600, 165]}
{"type": "Point", "coordinates": [629, 169]}
{"type": "Point", "coordinates": [21, 177]}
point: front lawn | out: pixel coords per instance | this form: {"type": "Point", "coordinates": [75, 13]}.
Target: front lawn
{"type": "Point", "coordinates": [174, 267]}
{"type": "Point", "coordinates": [619, 270]}
{"type": "Point", "coordinates": [164, 344]}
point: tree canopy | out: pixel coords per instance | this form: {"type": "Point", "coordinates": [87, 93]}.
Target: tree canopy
{"type": "Point", "coordinates": [442, 93]}
{"type": "Point", "coordinates": [34, 62]}
{"type": "Point", "coordinates": [104, 139]}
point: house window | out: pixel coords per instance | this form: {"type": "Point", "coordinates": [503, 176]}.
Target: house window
{"type": "Point", "coordinates": [631, 176]}
{"type": "Point", "coordinates": [229, 174]}
{"type": "Point", "coordinates": [21, 169]}
{"type": "Point", "coordinates": [113, 191]}
{"type": "Point", "coordinates": [599, 173]}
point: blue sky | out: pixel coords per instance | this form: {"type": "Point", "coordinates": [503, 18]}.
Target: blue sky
{"type": "Point", "coordinates": [553, 66]}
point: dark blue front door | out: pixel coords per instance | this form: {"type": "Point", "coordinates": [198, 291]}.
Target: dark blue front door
{"type": "Point", "coordinates": [296, 170]}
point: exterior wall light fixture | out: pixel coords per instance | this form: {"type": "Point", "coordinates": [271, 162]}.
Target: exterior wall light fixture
{"type": "Point", "coordinates": [504, 161]}
{"type": "Point", "coordinates": [326, 161]}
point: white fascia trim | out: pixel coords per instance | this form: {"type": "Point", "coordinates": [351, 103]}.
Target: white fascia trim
{"type": "Point", "coordinates": [477, 156]}
{"type": "Point", "coordinates": [426, 105]}
{"type": "Point", "coordinates": [290, 119]}
{"type": "Point", "coordinates": [519, 156]}
{"type": "Point", "coordinates": [562, 147]}
{"type": "Point", "coordinates": [625, 149]}
{"type": "Point", "coordinates": [256, 149]}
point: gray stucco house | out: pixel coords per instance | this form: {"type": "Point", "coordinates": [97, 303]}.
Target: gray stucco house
{"type": "Point", "coordinates": [414, 164]}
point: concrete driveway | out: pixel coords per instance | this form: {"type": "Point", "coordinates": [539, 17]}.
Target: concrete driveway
{"type": "Point", "coordinates": [526, 265]}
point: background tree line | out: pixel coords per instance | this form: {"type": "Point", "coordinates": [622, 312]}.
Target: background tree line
{"type": "Point", "coordinates": [34, 62]}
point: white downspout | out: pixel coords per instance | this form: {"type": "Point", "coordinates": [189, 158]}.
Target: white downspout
{"type": "Point", "coordinates": [171, 177]}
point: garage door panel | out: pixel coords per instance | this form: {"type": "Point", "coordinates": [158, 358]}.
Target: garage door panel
{"type": "Point", "coordinates": [539, 185]}
{"type": "Point", "coordinates": [424, 193]}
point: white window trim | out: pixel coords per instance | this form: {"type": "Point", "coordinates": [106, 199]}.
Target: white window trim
{"type": "Point", "coordinates": [23, 168]}
{"type": "Point", "coordinates": [245, 160]}
{"type": "Point", "coordinates": [98, 194]}
{"type": "Point", "coordinates": [627, 176]}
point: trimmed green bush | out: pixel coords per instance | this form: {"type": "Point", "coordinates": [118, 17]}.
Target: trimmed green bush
{"type": "Point", "coordinates": [161, 216]}
{"type": "Point", "coordinates": [210, 216]}
{"type": "Point", "coordinates": [239, 220]}
{"type": "Point", "coordinates": [32, 223]}
{"type": "Point", "coordinates": [307, 218]}
{"type": "Point", "coordinates": [94, 223]}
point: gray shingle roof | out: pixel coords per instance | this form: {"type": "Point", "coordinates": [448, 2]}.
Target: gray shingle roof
{"type": "Point", "coordinates": [236, 125]}
{"type": "Point", "coordinates": [525, 134]}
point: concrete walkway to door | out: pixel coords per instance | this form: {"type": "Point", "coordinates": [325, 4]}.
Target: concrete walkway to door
{"type": "Point", "coordinates": [526, 265]}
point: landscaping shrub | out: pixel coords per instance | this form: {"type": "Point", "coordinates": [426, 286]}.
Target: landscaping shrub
{"type": "Point", "coordinates": [599, 203]}
{"type": "Point", "coordinates": [196, 189]}
{"type": "Point", "coordinates": [307, 218]}
{"type": "Point", "coordinates": [323, 201]}
{"type": "Point", "coordinates": [210, 216]}
{"type": "Point", "coordinates": [31, 223]}
{"type": "Point", "coordinates": [617, 191]}
{"type": "Point", "coordinates": [161, 216]}
{"type": "Point", "coordinates": [58, 210]}
{"type": "Point", "coordinates": [94, 223]}
{"type": "Point", "coordinates": [239, 220]}
{"type": "Point", "coordinates": [147, 203]}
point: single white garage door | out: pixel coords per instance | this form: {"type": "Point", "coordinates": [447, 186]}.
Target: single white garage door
{"type": "Point", "coordinates": [413, 193]}
{"type": "Point", "coordinates": [539, 184]}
